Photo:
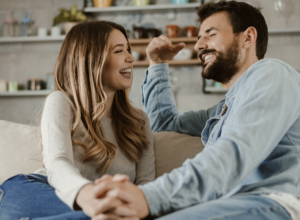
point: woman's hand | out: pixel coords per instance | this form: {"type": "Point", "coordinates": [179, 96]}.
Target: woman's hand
{"type": "Point", "coordinates": [117, 178]}
{"type": "Point", "coordinates": [118, 185]}
{"type": "Point", "coordinates": [98, 205]}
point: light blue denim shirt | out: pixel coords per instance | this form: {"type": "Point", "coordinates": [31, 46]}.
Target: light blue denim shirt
{"type": "Point", "coordinates": [252, 147]}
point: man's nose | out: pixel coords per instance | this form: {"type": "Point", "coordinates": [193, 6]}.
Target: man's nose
{"type": "Point", "coordinates": [200, 45]}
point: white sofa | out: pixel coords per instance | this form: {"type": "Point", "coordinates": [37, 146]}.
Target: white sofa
{"type": "Point", "coordinates": [19, 151]}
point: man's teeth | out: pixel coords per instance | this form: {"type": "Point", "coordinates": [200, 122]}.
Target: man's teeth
{"type": "Point", "coordinates": [208, 56]}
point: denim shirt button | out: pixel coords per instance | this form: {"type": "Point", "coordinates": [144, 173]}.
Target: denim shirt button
{"type": "Point", "coordinates": [1, 195]}
{"type": "Point", "coordinates": [159, 214]}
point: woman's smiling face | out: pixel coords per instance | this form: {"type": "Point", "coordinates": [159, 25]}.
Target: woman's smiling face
{"type": "Point", "coordinates": [117, 70]}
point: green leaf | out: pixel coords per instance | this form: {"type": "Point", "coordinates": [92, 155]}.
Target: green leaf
{"type": "Point", "coordinates": [80, 17]}
{"type": "Point", "coordinates": [73, 10]}
{"type": "Point", "coordinates": [59, 19]}
{"type": "Point", "coordinates": [72, 15]}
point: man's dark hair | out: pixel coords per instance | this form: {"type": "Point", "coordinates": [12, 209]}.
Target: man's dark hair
{"type": "Point", "coordinates": [241, 16]}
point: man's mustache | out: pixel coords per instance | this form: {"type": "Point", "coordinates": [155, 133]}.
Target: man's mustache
{"type": "Point", "coordinates": [205, 52]}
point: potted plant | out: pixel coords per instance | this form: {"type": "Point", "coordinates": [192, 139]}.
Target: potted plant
{"type": "Point", "coordinates": [71, 18]}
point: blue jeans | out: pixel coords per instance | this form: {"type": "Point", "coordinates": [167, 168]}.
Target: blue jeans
{"type": "Point", "coordinates": [31, 197]}
{"type": "Point", "coordinates": [241, 207]}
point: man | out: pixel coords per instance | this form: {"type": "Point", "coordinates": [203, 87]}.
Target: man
{"type": "Point", "coordinates": [249, 168]}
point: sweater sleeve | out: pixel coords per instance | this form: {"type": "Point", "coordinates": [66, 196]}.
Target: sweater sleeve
{"type": "Point", "coordinates": [145, 168]}
{"type": "Point", "coordinates": [58, 158]}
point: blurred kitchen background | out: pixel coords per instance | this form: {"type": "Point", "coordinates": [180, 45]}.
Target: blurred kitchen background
{"type": "Point", "coordinates": [29, 47]}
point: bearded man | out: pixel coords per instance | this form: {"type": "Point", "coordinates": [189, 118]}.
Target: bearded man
{"type": "Point", "coordinates": [249, 168]}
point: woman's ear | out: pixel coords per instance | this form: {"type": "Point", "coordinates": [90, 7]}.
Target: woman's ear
{"type": "Point", "coordinates": [250, 36]}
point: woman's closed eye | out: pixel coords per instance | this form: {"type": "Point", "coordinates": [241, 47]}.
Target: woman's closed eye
{"type": "Point", "coordinates": [120, 51]}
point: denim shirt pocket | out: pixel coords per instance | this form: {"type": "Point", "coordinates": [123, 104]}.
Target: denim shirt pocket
{"type": "Point", "coordinates": [1, 195]}
{"type": "Point", "coordinates": [217, 131]}
{"type": "Point", "coordinates": [213, 128]}
{"type": "Point", "coordinates": [208, 129]}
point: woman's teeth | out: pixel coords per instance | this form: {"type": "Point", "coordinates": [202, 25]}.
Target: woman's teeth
{"type": "Point", "coordinates": [126, 72]}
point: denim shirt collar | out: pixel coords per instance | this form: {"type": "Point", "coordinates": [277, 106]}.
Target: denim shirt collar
{"type": "Point", "coordinates": [233, 90]}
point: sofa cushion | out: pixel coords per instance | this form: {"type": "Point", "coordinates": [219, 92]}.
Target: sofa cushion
{"type": "Point", "coordinates": [171, 149]}
{"type": "Point", "coordinates": [19, 151]}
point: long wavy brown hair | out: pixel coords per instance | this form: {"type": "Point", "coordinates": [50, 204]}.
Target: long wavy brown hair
{"type": "Point", "coordinates": [78, 73]}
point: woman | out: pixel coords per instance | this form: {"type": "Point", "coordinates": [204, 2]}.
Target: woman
{"type": "Point", "coordinates": [88, 128]}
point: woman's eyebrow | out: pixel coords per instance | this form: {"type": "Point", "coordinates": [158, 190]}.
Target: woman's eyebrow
{"type": "Point", "coordinates": [119, 45]}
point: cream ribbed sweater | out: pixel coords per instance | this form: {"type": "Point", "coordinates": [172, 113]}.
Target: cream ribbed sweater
{"type": "Point", "coordinates": [63, 160]}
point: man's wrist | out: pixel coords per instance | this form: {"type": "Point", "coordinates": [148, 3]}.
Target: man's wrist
{"type": "Point", "coordinates": [152, 63]}
{"type": "Point", "coordinates": [144, 211]}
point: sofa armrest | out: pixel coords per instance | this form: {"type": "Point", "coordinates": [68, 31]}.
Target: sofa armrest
{"type": "Point", "coordinates": [19, 150]}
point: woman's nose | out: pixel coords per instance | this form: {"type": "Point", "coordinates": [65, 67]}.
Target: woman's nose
{"type": "Point", "coordinates": [130, 58]}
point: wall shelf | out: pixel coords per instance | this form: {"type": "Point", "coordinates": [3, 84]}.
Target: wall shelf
{"type": "Point", "coordinates": [62, 37]}
{"type": "Point", "coordinates": [174, 40]}
{"type": "Point", "coordinates": [30, 39]}
{"type": "Point", "coordinates": [132, 41]}
{"type": "Point", "coordinates": [26, 93]}
{"type": "Point", "coordinates": [171, 62]}
{"type": "Point", "coordinates": [284, 31]}
{"type": "Point", "coordinates": [142, 8]}
{"type": "Point", "coordinates": [213, 89]}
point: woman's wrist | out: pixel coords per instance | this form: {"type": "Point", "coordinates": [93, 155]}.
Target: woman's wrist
{"type": "Point", "coordinates": [82, 195]}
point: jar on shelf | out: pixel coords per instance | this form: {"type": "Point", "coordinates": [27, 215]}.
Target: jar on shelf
{"type": "Point", "coordinates": [3, 85]}
{"type": "Point", "coordinates": [35, 84]}
{"type": "Point", "coordinates": [50, 84]}
{"type": "Point", "coordinates": [9, 25]}
{"type": "Point", "coordinates": [12, 86]}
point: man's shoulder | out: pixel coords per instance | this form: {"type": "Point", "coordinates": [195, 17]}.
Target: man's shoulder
{"type": "Point", "coordinates": [270, 74]}
{"type": "Point", "coordinates": [272, 64]}
{"type": "Point", "coordinates": [271, 69]}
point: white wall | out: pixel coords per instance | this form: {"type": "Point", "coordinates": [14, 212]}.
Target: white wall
{"type": "Point", "coordinates": [21, 61]}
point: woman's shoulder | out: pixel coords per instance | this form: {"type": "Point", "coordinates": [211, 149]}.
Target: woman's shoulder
{"type": "Point", "coordinates": [59, 100]}
{"type": "Point", "coordinates": [142, 114]}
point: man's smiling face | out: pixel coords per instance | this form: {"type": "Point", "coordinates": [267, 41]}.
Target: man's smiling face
{"type": "Point", "coordinates": [218, 48]}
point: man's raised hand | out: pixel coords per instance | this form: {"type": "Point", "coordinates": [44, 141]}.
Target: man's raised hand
{"type": "Point", "coordinates": [161, 50]}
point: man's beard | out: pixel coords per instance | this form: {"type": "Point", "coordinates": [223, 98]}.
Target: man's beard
{"type": "Point", "coordinates": [225, 66]}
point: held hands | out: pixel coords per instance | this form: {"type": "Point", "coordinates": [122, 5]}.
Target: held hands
{"type": "Point", "coordinates": [95, 205]}
{"type": "Point", "coordinates": [161, 50]}
{"type": "Point", "coordinates": [113, 198]}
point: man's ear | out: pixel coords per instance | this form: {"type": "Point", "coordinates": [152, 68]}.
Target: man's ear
{"type": "Point", "coordinates": [250, 36]}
